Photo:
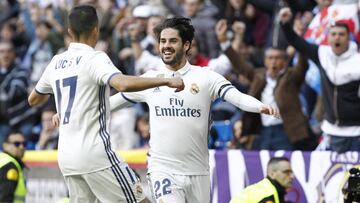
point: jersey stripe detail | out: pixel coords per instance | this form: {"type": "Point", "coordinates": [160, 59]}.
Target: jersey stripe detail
{"type": "Point", "coordinates": [129, 195]}
{"type": "Point", "coordinates": [225, 91]}
{"type": "Point", "coordinates": [37, 91]}
{"type": "Point", "coordinates": [127, 99]}
{"type": "Point", "coordinates": [222, 87]}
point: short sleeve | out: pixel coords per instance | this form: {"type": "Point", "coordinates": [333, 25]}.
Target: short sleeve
{"type": "Point", "coordinates": [218, 85]}
{"type": "Point", "coordinates": [101, 68]}
{"type": "Point", "coordinates": [43, 86]}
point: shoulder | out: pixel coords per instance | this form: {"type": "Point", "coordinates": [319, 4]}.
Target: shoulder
{"type": "Point", "coordinates": [9, 172]}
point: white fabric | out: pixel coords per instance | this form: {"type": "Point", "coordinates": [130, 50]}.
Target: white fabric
{"type": "Point", "coordinates": [84, 144]}
{"type": "Point", "coordinates": [179, 122]}
{"type": "Point", "coordinates": [332, 129]}
{"type": "Point", "coordinates": [267, 97]}
{"type": "Point", "coordinates": [116, 184]}
{"type": "Point", "coordinates": [168, 187]}
{"type": "Point", "coordinates": [340, 69]}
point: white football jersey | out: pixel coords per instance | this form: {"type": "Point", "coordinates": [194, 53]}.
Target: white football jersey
{"type": "Point", "coordinates": [79, 80]}
{"type": "Point", "coordinates": [179, 121]}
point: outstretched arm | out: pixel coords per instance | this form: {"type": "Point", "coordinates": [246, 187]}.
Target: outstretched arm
{"type": "Point", "coordinates": [126, 83]}
{"type": "Point", "coordinates": [249, 103]}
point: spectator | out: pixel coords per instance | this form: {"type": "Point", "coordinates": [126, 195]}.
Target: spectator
{"type": "Point", "coordinates": [279, 178]}
{"type": "Point", "coordinates": [278, 85]}
{"type": "Point", "coordinates": [202, 14]}
{"type": "Point", "coordinates": [12, 178]}
{"type": "Point", "coordinates": [15, 113]}
{"type": "Point", "coordinates": [142, 127]}
{"type": "Point", "coordinates": [340, 82]}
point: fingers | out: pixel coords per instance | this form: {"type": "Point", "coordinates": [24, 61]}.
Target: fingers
{"type": "Point", "coordinates": [285, 15]}
{"type": "Point", "coordinates": [55, 120]}
{"type": "Point", "coordinates": [220, 30]}
{"type": "Point", "coordinates": [269, 110]}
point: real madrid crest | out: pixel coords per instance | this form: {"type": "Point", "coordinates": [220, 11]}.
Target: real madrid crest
{"type": "Point", "coordinates": [194, 89]}
{"type": "Point", "coordinates": [138, 189]}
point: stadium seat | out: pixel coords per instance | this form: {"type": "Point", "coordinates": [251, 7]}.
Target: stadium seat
{"type": "Point", "coordinates": [224, 131]}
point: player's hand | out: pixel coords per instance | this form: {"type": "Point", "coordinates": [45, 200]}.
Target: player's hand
{"type": "Point", "coordinates": [285, 15]}
{"type": "Point", "coordinates": [220, 30]}
{"type": "Point", "coordinates": [56, 120]}
{"type": "Point", "coordinates": [269, 110]}
{"type": "Point", "coordinates": [177, 83]}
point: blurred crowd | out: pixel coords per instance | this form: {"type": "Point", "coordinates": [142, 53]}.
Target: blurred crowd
{"type": "Point", "coordinates": [240, 39]}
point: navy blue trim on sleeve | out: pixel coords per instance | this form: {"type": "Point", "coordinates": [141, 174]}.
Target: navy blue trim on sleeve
{"type": "Point", "coordinates": [127, 99]}
{"type": "Point", "coordinates": [37, 91]}
{"type": "Point", "coordinates": [223, 96]}
{"type": "Point", "coordinates": [222, 87]}
{"type": "Point", "coordinates": [112, 75]}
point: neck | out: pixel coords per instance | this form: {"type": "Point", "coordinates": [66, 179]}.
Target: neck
{"type": "Point", "coordinates": [177, 66]}
{"type": "Point", "coordinates": [88, 41]}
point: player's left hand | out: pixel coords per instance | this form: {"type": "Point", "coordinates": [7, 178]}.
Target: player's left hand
{"type": "Point", "coordinates": [269, 110]}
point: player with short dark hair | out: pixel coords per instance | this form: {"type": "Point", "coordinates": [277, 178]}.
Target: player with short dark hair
{"type": "Point", "coordinates": [80, 79]}
{"type": "Point", "coordinates": [178, 162]}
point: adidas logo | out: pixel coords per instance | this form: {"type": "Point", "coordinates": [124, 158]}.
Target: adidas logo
{"type": "Point", "coordinates": [157, 89]}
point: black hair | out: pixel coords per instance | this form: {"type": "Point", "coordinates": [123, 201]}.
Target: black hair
{"type": "Point", "coordinates": [342, 25]}
{"type": "Point", "coordinates": [82, 19]}
{"type": "Point", "coordinates": [275, 160]}
{"type": "Point", "coordinates": [277, 48]}
{"type": "Point", "coordinates": [181, 24]}
{"type": "Point", "coordinates": [7, 136]}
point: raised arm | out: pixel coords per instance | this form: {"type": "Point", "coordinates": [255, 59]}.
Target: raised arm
{"type": "Point", "coordinates": [236, 59]}
{"type": "Point", "coordinates": [300, 70]}
{"type": "Point", "coordinates": [309, 50]}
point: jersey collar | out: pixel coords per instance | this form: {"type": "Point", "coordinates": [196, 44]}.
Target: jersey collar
{"type": "Point", "coordinates": [75, 45]}
{"type": "Point", "coordinates": [181, 71]}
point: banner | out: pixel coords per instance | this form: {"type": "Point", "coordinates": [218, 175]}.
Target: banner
{"type": "Point", "coordinates": [319, 27]}
{"type": "Point", "coordinates": [319, 176]}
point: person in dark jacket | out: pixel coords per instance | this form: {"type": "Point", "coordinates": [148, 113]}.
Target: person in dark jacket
{"type": "Point", "coordinates": [340, 82]}
{"type": "Point", "coordinates": [15, 112]}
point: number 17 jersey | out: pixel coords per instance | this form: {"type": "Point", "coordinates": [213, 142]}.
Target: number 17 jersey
{"type": "Point", "coordinates": [78, 78]}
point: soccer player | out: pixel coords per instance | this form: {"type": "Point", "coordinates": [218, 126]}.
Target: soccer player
{"type": "Point", "coordinates": [178, 162]}
{"type": "Point", "coordinates": [80, 79]}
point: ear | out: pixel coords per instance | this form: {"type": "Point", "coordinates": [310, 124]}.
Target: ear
{"type": "Point", "coordinates": [71, 33]}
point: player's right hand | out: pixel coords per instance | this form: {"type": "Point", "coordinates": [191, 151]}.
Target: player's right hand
{"type": "Point", "coordinates": [177, 83]}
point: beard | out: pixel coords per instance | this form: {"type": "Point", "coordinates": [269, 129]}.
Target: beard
{"type": "Point", "coordinates": [175, 60]}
